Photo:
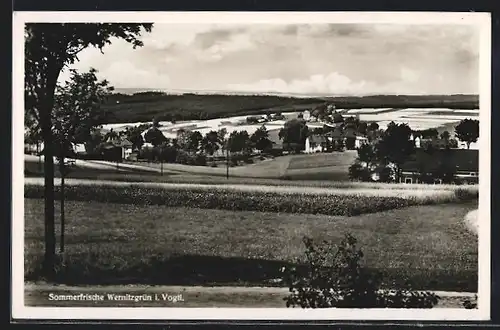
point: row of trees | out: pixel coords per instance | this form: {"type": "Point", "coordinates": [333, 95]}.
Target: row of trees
{"type": "Point", "coordinates": [194, 142]}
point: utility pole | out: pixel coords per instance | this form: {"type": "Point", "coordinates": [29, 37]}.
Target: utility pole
{"type": "Point", "coordinates": [39, 156]}
{"type": "Point", "coordinates": [63, 174]}
{"type": "Point", "coordinates": [227, 159]}
{"type": "Point", "coordinates": [161, 159]}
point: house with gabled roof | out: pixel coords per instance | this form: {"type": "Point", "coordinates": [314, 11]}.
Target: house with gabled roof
{"type": "Point", "coordinates": [315, 143]}
{"type": "Point", "coordinates": [463, 163]}
{"type": "Point", "coordinates": [117, 148]}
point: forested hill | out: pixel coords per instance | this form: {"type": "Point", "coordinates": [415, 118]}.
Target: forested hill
{"type": "Point", "coordinates": [144, 106]}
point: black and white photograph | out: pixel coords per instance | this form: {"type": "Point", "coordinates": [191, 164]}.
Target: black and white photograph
{"type": "Point", "coordinates": [229, 165]}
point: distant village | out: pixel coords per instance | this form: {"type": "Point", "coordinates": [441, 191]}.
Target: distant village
{"type": "Point", "coordinates": [319, 130]}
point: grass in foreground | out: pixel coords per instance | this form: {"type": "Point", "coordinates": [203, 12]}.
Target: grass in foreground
{"type": "Point", "coordinates": [112, 243]}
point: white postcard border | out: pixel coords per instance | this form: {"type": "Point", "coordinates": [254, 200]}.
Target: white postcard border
{"type": "Point", "coordinates": [19, 311]}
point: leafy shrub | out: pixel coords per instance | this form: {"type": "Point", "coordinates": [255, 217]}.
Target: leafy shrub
{"type": "Point", "coordinates": [350, 143]}
{"type": "Point", "coordinates": [234, 159]}
{"type": "Point", "coordinates": [387, 174]}
{"type": "Point", "coordinates": [227, 199]}
{"type": "Point", "coordinates": [358, 172]}
{"type": "Point", "coordinates": [167, 153]}
{"type": "Point", "coordinates": [337, 279]}
{"type": "Point", "coordinates": [470, 303]}
{"type": "Point", "coordinates": [146, 153]}
{"type": "Point", "coordinates": [463, 194]}
{"type": "Point", "coordinates": [182, 157]}
{"type": "Point", "coordinates": [200, 160]}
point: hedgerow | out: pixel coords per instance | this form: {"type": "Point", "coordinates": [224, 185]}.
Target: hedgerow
{"type": "Point", "coordinates": [339, 205]}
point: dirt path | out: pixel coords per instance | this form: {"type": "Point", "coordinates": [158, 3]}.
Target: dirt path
{"type": "Point", "coordinates": [98, 165]}
{"type": "Point", "coordinates": [178, 296]}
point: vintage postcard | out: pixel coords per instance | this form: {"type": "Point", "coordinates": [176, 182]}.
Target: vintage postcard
{"type": "Point", "coordinates": [251, 166]}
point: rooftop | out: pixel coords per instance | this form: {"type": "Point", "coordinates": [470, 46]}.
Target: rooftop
{"type": "Point", "coordinates": [466, 160]}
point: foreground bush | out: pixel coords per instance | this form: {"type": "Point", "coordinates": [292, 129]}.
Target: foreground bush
{"type": "Point", "coordinates": [470, 303]}
{"type": "Point", "coordinates": [337, 279]}
{"type": "Point", "coordinates": [341, 205]}
{"type": "Point", "coordinates": [464, 194]}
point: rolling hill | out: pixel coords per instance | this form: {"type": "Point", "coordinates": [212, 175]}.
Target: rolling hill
{"type": "Point", "coordinates": [144, 106]}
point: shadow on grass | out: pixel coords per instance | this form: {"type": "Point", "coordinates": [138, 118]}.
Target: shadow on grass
{"type": "Point", "coordinates": [210, 270]}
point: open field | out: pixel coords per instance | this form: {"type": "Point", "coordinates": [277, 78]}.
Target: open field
{"type": "Point", "coordinates": [429, 246]}
{"type": "Point", "coordinates": [416, 118]}
{"type": "Point", "coordinates": [142, 107]}
{"type": "Point", "coordinates": [334, 159]}
{"type": "Point", "coordinates": [332, 166]}
{"type": "Point", "coordinates": [201, 179]}
{"type": "Point", "coordinates": [148, 175]}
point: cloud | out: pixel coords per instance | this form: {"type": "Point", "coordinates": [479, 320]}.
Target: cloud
{"type": "Point", "coordinates": [409, 75]}
{"type": "Point", "coordinates": [332, 83]}
{"type": "Point", "coordinates": [207, 39]}
{"type": "Point", "coordinates": [221, 48]}
{"type": "Point", "coordinates": [299, 58]}
{"type": "Point", "coordinates": [325, 30]}
{"type": "Point", "coordinates": [124, 74]}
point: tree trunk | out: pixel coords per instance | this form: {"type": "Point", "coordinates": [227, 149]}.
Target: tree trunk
{"type": "Point", "coordinates": [50, 236]}
{"type": "Point", "coordinates": [161, 161]}
{"type": "Point", "coordinates": [227, 163]}
{"type": "Point", "coordinates": [45, 90]}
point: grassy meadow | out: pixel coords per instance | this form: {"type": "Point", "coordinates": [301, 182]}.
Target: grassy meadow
{"type": "Point", "coordinates": [331, 167]}
{"type": "Point", "coordinates": [427, 246]}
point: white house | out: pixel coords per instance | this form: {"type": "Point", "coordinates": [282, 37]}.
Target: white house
{"type": "Point", "coordinates": [79, 148]}
{"type": "Point", "coordinates": [360, 140]}
{"type": "Point", "coordinates": [473, 145]}
{"type": "Point", "coordinates": [306, 115]}
{"type": "Point", "coordinates": [315, 143]}
{"type": "Point", "coordinates": [417, 142]}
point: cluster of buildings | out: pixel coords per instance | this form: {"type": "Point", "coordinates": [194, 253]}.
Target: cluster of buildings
{"type": "Point", "coordinates": [465, 163]}
{"type": "Point", "coordinates": [323, 142]}
{"type": "Point", "coordinates": [462, 160]}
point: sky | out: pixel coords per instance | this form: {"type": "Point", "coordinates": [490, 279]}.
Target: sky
{"type": "Point", "coordinates": [313, 59]}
